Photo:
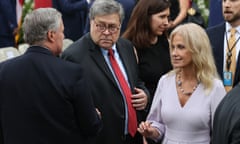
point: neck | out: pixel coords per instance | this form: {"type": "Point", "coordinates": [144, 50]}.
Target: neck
{"type": "Point", "coordinates": [154, 40]}
{"type": "Point", "coordinates": [236, 23]}
{"type": "Point", "coordinates": [187, 84]}
{"type": "Point", "coordinates": [188, 74]}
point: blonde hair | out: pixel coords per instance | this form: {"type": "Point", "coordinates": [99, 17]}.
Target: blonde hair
{"type": "Point", "coordinates": [197, 42]}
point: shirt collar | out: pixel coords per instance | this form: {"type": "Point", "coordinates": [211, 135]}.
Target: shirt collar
{"type": "Point", "coordinates": [105, 52]}
{"type": "Point", "coordinates": [228, 27]}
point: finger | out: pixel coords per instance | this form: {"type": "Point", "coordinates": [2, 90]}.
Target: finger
{"type": "Point", "coordinates": [138, 105]}
{"type": "Point", "coordinates": [138, 101]}
{"type": "Point", "coordinates": [137, 90]}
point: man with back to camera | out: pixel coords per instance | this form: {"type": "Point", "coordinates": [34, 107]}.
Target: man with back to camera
{"type": "Point", "coordinates": [44, 99]}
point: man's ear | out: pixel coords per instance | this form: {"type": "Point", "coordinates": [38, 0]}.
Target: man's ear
{"type": "Point", "coordinates": [50, 35]}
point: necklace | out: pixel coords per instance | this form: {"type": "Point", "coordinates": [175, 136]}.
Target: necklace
{"type": "Point", "coordinates": [179, 84]}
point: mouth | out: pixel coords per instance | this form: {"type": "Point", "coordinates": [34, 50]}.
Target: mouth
{"type": "Point", "coordinates": [176, 60]}
{"type": "Point", "coordinates": [227, 12]}
{"type": "Point", "coordinates": [105, 42]}
{"type": "Point", "coordinates": [162, 28]}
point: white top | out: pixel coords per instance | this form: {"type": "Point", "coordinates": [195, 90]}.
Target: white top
{"type": "Point", "coordinates": [190, 124]}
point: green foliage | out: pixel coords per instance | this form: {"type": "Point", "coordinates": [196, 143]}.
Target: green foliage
{"type": "Point", "coordinates": [204, 7]}
{"type": "Point", "coordinates": [27, 7]}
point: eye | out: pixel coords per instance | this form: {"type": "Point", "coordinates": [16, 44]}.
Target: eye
{"type": "Point", "coordinates": [180, 46]}
{"type": "Point", "coordinates": [101, 26]}
{"type": "Point", "coordinates": [113, 27]}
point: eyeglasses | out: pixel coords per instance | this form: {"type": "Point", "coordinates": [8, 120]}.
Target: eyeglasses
{"type": "Point", "coordinates": [111, 28]}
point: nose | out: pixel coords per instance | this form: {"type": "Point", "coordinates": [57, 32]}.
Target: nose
{"type": "Point", "coordinates": [106, 31]}
{"type": "Point", "coordinates": [174, 52]}
{"type": "Point", "coordinates": [166, 21]}
{"type": "Point", "coordinates": [226, 3]}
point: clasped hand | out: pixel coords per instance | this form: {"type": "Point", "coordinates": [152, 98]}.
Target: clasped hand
{"type": "Point", "coordinates": [139, 99]}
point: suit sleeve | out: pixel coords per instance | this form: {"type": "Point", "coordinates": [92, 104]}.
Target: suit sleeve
{"type": "Point", "coordinates": [85, 112]}
{"type": "Point", "coordinates": [9, 11]}
{"type": "Point", "coordinates": [71, 7]}
{"type": "Point", "coordinates": [235, 135]}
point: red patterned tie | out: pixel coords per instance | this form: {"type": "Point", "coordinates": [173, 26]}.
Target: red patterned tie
{"type": "Point", "coordinates": [132, 118]}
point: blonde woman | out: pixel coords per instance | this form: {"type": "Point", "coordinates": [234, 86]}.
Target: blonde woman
{"type": "Point", "coordinates": [186, 98]}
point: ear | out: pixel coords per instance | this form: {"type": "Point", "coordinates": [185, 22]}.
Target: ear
{"type": "Point", "coordinates": [51, 35]}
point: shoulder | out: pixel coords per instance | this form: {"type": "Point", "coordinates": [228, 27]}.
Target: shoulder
{"type": "Point", "coordinates": [217, 87]}
{"type": "Point", "coordinates": [12, 63]}
{"type": "Point", "coordinates": [217, 83]}
{"type": "Point", "coordinates": [78, 48]}
{"type": "Point", "coordinates": [218, 91]}
{"type": "Point", "coordinates": [124, 41]}
{"type": "Point", "coordinates": [232, 100]}
{"type": "Point", "coordinates": [216, 29]}
{"type": "Point", "coordinates": [66, 69]}
{"type": "Point", "coordinates": [166, 78]}
{"type": "Point", "coordinates": [83, 41]}
{"type": "Point", "coordinates": [235, 91]}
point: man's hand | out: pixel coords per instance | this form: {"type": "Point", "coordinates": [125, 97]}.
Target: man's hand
{"type": "Point", "coordinates": [139, 99]}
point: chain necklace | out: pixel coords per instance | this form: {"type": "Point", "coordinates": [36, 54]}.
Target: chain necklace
{"type": "Point", "coordinates": [179, 84]}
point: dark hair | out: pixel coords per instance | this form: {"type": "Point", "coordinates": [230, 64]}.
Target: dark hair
{"type": "Point", "coordinates": [138, 30]}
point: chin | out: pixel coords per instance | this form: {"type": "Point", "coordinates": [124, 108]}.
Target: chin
{"type": "Point", "coordinates": [106, 46]}
{"type": "Point", "coordinates": [159, 33]}
{"type": "Point", "coordinates": [177, 66]}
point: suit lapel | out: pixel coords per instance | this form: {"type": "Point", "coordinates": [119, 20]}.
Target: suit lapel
{"type": "Point", "coordinates": [98, 58]}
{"type": "Point", "coordinates": [101, 63]}
{"type": "Point", "coordinates": [123, 53]}
{"type": "Point", "coordinates": [237, 72]}
{"type": "Point", "coordinates": [219, 49]}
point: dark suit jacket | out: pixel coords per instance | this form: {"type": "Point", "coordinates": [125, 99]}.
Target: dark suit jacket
{"type": "Point", "coordinates": [74, 13]}
{"type": "Point", "coordinates": [226, 126]}
{"type": "Point", "coordinates": [106, 94]}
{"type": "Point", "coordinates": [216, 37]}
{"type": "Point", "coordinates": [8, 21]}
{"type": "Point", "coordinates": [44, 100]}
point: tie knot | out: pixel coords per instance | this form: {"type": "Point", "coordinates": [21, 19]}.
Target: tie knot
{"type": "Point", "coordinates": [233, 31]}
{"type": "Point", "coordinates": [110, 52]}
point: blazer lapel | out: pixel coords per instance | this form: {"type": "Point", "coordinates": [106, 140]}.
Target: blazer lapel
{"type": "Point", "coordinates": [125, 60]}
{"type": "Point", "coordinates": [237, 72]}
{"type": "Point", "coordinates": [98, 58]}
{"type": "Point", "coordinates": [219, 49]}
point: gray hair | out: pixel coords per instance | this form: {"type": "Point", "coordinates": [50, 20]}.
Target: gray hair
{"type": "Point", "coordinates": [106, 7]}
{"type": "Point", "coordinates": [37, 23]}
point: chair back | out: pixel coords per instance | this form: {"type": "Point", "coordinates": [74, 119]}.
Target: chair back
{"type": "Point", "coordinates": [23, 47]}
{"type": "Point", "coordinates": [66, 43]}
{"type": "Point", "coordinates": [8, 53]}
